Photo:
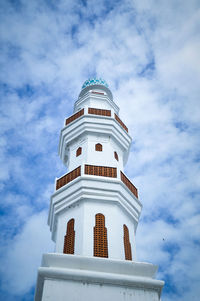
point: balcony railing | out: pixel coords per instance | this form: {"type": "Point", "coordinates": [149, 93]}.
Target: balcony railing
{"type": "Point", "coordinates": [74, 117]}
{"type": "Point", "coordinates": [94, 170]}
{"type": "Point", "coordinates": [101, 112]}
{"type": "Point", "coordinates": [68, 177]}
{"type": "Point", "coordinates": [94, 92]}
{"type": "Point", "coordinates": [95, 111]}
{"type": "Point", "coordinates": [103, 171]}
{"type": "Point", "coordinates": [128, 183]}
{"type": "Point", "coordinates": [121, 123]}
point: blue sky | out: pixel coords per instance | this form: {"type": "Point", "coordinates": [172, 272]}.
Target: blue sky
{"type": "Point", "coordinates": [148, 52]}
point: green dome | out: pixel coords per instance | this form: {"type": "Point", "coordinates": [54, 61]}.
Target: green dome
{"type": "Point", "coordinates": [94, 81]}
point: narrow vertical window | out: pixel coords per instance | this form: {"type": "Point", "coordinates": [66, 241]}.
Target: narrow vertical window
{"type": "Point", "coordinates": [79, 151]}
{"type": "Point", "coordinates": [98, 147]}
{"type": "Point", "coordinates": [116, 156]}
{"type": "Point", "coordinates": [127, 245]}
{"type": "Point", "coordinates": [69, 238]}
{"type": "Point", "coordinates": [100, 237]}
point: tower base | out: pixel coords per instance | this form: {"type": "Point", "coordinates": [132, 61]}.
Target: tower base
{"type": "Point", "coordinates": [76, 278]}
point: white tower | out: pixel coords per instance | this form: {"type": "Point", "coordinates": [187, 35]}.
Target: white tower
{"type": "Point", "coordinates": [94, 211]}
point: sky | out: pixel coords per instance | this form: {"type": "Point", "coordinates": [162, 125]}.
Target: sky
{"type": "Point", "coordinates": [148, 52]}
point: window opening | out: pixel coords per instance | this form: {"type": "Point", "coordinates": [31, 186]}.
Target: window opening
{"type": "Point", "coordinates": [79, 151]}
{"type": "Point", "coordinates": [127, 245]}
{"type": "Point", "coordinates": [116, 156]}
{"type": "Point", "coordinates": [69, 238]}
{"type": "Point", "coordinates": [98, 147]}
{"type": "Point", "coordinates": [100, 237]}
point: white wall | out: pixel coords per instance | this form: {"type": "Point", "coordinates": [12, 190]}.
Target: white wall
{"type": "Point", "coordinates": [75, 212]}
{"type": "Point", "coordinates": [84, 214]}
{"type": "Point", "coordinates": [95, 100]}
{"type": "Point", "coordinates": [92, 157]}
{"type": "Point", "coordinates": [76, 291]}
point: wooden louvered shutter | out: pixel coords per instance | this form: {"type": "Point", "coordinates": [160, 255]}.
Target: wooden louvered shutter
{"type": "Point", "coordinates": [98, 147]}
{"type": "Point", "coordinates": [116, 156]}
{"type": "Point", "coordinates": [79, 151]}
{"type": "Point", "coordinates": [69, 238]}
{"type": "Point", "coordinates": [127, 245]}
{"type": "Point", "coordinates": [100, 237]}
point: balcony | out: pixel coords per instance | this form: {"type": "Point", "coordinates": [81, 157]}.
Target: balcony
{"type": "Point", "coordinates": [95, 111]}
{"type": "Point", "coordinates": [103, 171]}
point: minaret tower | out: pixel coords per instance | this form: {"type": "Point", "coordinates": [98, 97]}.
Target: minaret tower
{"type": "Point", "coordinates": [94, 211]}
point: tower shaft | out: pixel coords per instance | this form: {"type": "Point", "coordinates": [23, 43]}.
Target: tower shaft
{"type": "Point", "coordinates": [95, 210]}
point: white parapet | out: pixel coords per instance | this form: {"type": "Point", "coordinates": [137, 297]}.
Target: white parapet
{"type": "Point", "coordinates": [69, 277]}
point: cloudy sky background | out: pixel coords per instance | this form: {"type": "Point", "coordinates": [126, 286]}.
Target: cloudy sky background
{"type": "Point", "coordinates": [148, 52]}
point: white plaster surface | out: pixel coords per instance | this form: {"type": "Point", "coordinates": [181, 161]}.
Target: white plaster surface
{"type": "Point", "coordinates": [94, 128]}
{"type": "Point", "coordinates": [69, 277]}
{"type": "Point", "coordinates": [86, 196]}
{"type": "Point", "coordinates": [95, 98]}
{"type": "Point", "coordinates": [60, 290]}
{"type": "Point", "coordinates": [92, 157]}
{"type": "Point", "coordinates": [84, 215]}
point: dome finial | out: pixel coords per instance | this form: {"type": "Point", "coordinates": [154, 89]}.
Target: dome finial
{"type": "Point", "coordinates": [94, 81]}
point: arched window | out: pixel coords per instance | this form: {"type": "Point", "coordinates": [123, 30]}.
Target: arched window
{"type": "Point", "coordinates": [116, 156]}
{"type": "Point", "coordinates": [100, 237]}
{"type": "Point", "coordinates": [98, 147]}
{"type": "Point", "coordinates": [78, 151]}
{"type": "Point", "coordinates": [127, 245]}
{"type": "Point", "coordinates": [69, 238]}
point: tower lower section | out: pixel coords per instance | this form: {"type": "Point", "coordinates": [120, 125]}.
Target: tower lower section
{"type": "Point", "coordinates": [70, 277]}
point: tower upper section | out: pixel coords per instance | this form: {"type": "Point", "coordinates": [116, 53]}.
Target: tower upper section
{"type": "Point", "coordinates": [96, 93]}
{"type": "Point", "coordinates": [94, 145]}
{"type": "Point", "coordinates": [94, 134]}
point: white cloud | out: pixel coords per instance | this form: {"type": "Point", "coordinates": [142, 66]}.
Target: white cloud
{"type": "Point", "coordinates": [23, 255]}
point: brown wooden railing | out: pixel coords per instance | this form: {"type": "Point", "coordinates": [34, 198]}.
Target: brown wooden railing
{"type": "Point", "coordinates": [103, 171]}
{"type": "Point", "coordinates": [95, 111]}
{"type": "Point", "coordinates": [94, 92]}
{"type": "Point", "coordinates": [128, 183]}
{"type": "Point", "coordinates": [100, 237]}
{"type": "Point", "coordinates": [121, 123]}
{"type": "Point", "coordinates": [68, 177]}
{"type": "Point", "coordinates": [94, 170]}
{"type": "Point", "coordinates": [74, 117]}
{"type": "Point", "coordinates": [99, 112]}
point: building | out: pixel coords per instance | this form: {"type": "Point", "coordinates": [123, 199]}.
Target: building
{"type": "Point", "coordinates": [94, 211]}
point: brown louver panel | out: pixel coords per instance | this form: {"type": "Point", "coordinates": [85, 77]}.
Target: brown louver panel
{"type": "Point", "coordinates": [101, 171]}
{"type": "Point", "coordinates": [94, 92]}
{"type": "Point", "coordinates": [68, 177]}
{"type": "Point", "coordinates": [79, 151]}
{"type": "Point", "coordinates": [128, 183]}
{"type": "Point", "coordinates": [100, 237]}
{"type": "Point", "coordinates": [116, 156]}
{"type": "Point", "coordinates": [69, 238]}
{"type": "Point", "coordinates": [127, 245]}
{"type": "Point", "coordinates": [121, 123]}
{"type": "Point", "coordinates": [98, 147]}
{"type": "Point", "coordinates": [74, 117]}
{"type": "Point", "coordinates": [99, 112]}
